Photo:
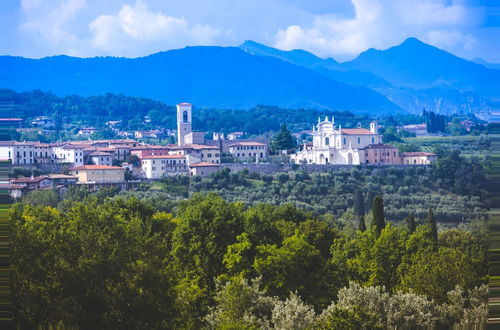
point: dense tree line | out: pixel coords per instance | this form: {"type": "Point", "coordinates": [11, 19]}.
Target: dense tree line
{"type": "Point", "coordinates": [435, 122]}
{"type": "Point", "coordinates": [100, 262]}
{"type": "Point", "coordinates": [76, 111]}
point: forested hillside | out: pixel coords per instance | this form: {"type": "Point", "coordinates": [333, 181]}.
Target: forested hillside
{"type": "Point", "coordinates": [96, 110]}
{"type": "Point", "coordinates": [96, 262]}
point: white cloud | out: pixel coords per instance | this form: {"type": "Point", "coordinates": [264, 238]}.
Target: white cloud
{"type": "Point", "coordinates": [384, 23]}
{"type": "Point", "coordinates": [51, 25]}
{"type": "Point", "coordinates": [135, 30]}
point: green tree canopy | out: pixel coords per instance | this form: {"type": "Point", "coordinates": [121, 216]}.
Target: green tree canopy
{"type": "Point", "coordinates": [283, 140]}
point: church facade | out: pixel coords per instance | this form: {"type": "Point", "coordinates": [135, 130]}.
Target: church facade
{"type": "Point", "coordinates": [337, 145]}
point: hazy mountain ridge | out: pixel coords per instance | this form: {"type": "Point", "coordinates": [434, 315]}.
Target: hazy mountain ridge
{"type": "Point", "coordinates": [409, 76]}
{"type": "Point", "coordinates": [412, 75]}
{"type": "Point", "coordinates": [224, 77]}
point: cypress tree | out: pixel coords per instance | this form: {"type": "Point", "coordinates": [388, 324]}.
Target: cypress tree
{"type": "Point", "coordinates": [359, 204]}
{"type": "Point", "coordinates": [410, 223]}
{"type": "Point", "coordinates": [378, 213]}
{"type": "Point", "coordinates": [431, 221]}
{"type": "Point", "coordinates": [361, 224]}
{"type": "Point", "coordinates": [369, 197]}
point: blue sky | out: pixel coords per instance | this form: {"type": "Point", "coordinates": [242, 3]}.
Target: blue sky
{"type": "Point", "coordinates": [337, 28]}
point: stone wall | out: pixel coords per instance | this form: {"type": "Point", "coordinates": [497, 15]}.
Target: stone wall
{"type": "Point", "coordinates": [308, 168]}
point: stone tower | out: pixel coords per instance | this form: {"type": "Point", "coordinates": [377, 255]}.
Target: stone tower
{"type": "Point", "coordinates": [184, 122]}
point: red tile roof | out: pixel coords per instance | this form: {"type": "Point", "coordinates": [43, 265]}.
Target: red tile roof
{"type": "Point", "coordinates": [194, 146]}
{"type": "Point", "coordinates": [414, 154]}
{"type": "Point", "coordinates": [356, 131]}
{"type": "Point", "coordinates": [247, 144]}
{"type": "Point", "coordinates": [11, 186]}
{"type": "Point", "coordinates": [30, 179]}
{"type": "Point", "coordinates": [379, 146]}
{"type": "Point", "coordinates": [164, 157]}
{"type": "Point", "coordinates": [204, 164]}
{"type": "Point", "coordinates": [95, 167]}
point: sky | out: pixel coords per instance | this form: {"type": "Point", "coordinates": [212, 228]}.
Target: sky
{"type": "Point", "coordinates": [329, 28]}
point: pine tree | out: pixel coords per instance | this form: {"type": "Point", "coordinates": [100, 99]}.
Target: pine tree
{"type": "Point", "coordinates": [359, 204]}
{"type": "Point", "coordinates": [378, 213]}
{"type": "Point", "coordinates": [361, 224]}
{"type": "Point", "coordinates": [431, 221]}
{"type": "Point", "coordinates": [283, 140]}
{"type": "Point", "coordinates": [410, 223]}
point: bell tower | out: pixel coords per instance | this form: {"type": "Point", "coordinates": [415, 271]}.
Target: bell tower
{"type": "Point", "coordinates": [184, 122]}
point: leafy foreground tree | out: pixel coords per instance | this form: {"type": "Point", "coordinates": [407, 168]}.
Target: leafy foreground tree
{"type": "Point", "coordinates": [113, 262]}
{"type": "Point", "coordinates": [240, 305]}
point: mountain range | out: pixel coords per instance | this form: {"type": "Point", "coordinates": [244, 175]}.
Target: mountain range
{"type": "Point", "coordinates": [407, 77]}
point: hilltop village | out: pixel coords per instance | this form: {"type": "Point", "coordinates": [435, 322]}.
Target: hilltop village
{"type": "Point", "coordinates": [123, 163]}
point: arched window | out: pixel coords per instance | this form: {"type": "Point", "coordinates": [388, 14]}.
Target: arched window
{"type": "Point", "coordinates": [185, 116]}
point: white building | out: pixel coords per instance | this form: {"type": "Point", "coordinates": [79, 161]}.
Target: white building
{"type": "Point", "coordinates": [159, 166]}
{"type": "Point", "coordinates": [68, 153]}
{"type": "Point", "coordinates": [19, 153]}
{"type": "Point", "coordinates": [332, 145]}
{"type": "Point", "coordinates": [101, 158]}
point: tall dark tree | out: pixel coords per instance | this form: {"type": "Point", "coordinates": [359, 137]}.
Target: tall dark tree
{"type": "Point", "coordinates": [410, 223]}
{"type": "Point", "coordinates": [362, 224]}
{"type": "Point", "coordinates": [359, 204]}
{"type": "Point", "coordinates": [370, 196]}
{"type": "Point", "coordinates": [431, 221]}
{"type": "Point", "coordinates": [378, 213]}
{"type": "Point", "coordinates": [283, 140]}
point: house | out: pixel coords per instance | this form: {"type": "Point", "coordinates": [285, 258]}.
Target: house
{"type": "Point", "coordinates": [62, 179]}
{"type": "Point", "coordinates": [248, 150]}
{"type": "Point", "coordinates": [235, 135]}
{"type": "Point", "coordinates": [381, 154]}
{"type": "Point", "coordinates": [68, 153]}
{"type": "Point", "coordinates": [159, 166]}
{"type": "Point", "coordinates": [15, 191]}
{"type": "Point", "coordinates": [101, 158]}
{"type": "Point", "coordinates": [153, 134]}
{"type": "Point", "coordinates": [149, 150]}
{"type": "Point", "coordinates": [42, 153]}
{"type": "Point", "coordinates": [98, 174]}
{"type": "Point", "coordinates": [86, 131]}
{"type": "Point", "coordinates": [197, 153]}
{"type": "Point", "coordinates": [417, 158]}
{"type": "Point", "coordinates": [203, 169]}
{"type": "Point", "coordinates": [417, 129]}
{"type": "Point", "coordinates": [19, 153]}
{"type": "Point", "coordinates": [42, 121]}
{"type": "Point", "coordinates": [34, 183]}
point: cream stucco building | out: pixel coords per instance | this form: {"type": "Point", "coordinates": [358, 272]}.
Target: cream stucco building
{"type": "Point", "coordinates": [98, 174]}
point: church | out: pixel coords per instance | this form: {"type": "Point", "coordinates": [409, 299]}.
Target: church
{"type": "Point", "coordinates": [346, 146]}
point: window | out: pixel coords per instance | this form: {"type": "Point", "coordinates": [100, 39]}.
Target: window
{"type": "Point", "coordinates": [185, 116]}
{"type": "Point", "coordinates": [373, 140]}
{"type": "Point", "coordinates": [345, 140]}
{"type": "Point", "coordinates": [327, 141]}
{"type": "Point", "coordinates": [359, 140]}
